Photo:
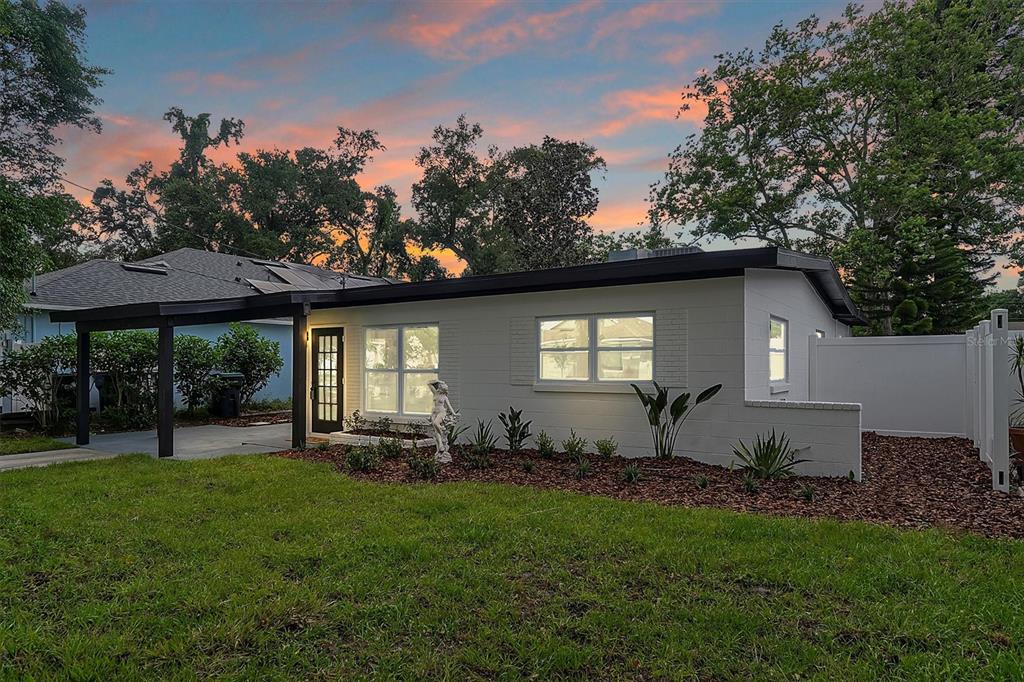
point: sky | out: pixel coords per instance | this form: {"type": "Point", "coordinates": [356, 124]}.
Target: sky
{"type": "Point", "coordinates": [610, 73]}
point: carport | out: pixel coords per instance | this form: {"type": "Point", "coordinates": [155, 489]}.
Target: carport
{"type": "Point", "coordinates": [164, 317]}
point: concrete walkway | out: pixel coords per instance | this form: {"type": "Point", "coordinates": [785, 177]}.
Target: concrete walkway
{"type": "Point", "coordinates": [198, 442]}
{"type": "Point", "coordinates": [48, 457]}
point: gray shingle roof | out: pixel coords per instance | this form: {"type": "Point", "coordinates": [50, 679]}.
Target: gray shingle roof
{"type": "Point", "coordinates": [181, 275]}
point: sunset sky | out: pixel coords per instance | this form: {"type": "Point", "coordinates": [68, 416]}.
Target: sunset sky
{"type": "Point", "coordinates": [606, 72]}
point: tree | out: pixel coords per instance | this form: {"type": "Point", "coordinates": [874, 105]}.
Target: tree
{"type": "Point", "coordinates": [46, 85]}
{"type": "Point", "coordinates": [241, 349]}
{"type": "Point", "coordinates": [23, 216]}
{"type": "Point", "coordinates": [544, 195]}
{"type": "Point", "coordinates": [890, 142]}
{"type": "Point", "coordinates": [653, 237]}
{"type": "Point", "coordinates": [303, 206]}
{"type": "Point", "coordinates": [523, 209]}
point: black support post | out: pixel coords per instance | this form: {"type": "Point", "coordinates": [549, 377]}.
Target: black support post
{"type": "Point", "coordinates": [300, 383]}
{"type": "Point", "coordinates": [165, 392]}
{"type": "Point", "coordinates": [82, 388]}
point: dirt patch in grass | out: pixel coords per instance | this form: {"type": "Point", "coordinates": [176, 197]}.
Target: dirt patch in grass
{"type": "Point", "coordinates": [908, 483]}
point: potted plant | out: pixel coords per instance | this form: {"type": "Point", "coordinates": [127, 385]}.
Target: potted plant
{"type": "Point", "coordinates": [1017, 412]}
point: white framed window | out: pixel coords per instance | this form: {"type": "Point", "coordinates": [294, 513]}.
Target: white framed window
{"type": "Point", "coordinates": [399, 362]}
{"type": "Point", "coordinates": [596, 348]}
{"type": "Point", "coordinates": [778, 353]}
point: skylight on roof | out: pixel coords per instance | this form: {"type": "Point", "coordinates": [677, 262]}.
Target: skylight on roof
{"type": "Point", "coordinates": [151, 268]}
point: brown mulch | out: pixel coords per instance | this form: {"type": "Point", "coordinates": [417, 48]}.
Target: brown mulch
{"type": "Point", "coordinates": [908, 483]}
{"type": "Point", "coordinates": [247, 419]}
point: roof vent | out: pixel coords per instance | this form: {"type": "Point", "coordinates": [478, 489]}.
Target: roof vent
{"type": "Point", "coordinates": [638, 254]}
{"type": "Point", "coordinates": [159, 268]}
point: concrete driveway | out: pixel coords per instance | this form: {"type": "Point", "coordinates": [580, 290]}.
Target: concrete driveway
{"type": "Point", "coordinates": [198, 442]}
{"type": "Point", "coordinates": [190, 442]}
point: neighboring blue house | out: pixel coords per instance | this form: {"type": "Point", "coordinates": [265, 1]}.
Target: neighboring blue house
{"type": "Point", "coordinates": [181, 275]}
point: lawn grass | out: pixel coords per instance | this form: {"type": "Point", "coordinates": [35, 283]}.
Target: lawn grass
{"type": "Point", "coordinates": [16, 445]}
{"type": "Point", "coordinates": [264, 568]}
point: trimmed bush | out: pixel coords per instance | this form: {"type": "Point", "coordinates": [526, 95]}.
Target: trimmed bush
{"type": "Point", "coordinates": [194, 361]}
{"type": "Point", "coordinates": [241, 349]}
{"type": "Point", "coordinates": [606, 447]}
{"type": "Point", "coordinates": [360, 458]}
{"type": "Point", "coordinates": [545, 445]}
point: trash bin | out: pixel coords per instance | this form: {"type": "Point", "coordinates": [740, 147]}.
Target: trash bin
{"type": "Point", "coordinates": [227, 394]}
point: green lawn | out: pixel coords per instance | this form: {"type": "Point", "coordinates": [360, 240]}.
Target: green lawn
{"type": "Point", "coordinates": [263, 568]}
{"type": "Point", "coordinates": [16, 445]}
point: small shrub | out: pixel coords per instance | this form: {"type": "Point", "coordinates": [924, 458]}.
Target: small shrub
{"type": "Point", "coordinates": [807, 492]}
{"type": "Point", "coordinates": [516, 430]}
{"type": "Point", "coordinates": [389, 448]}
{"type": "Point", "coordinates": [323, 446]}
{"type": "Point", "coordinates": [424, 467]}
{"type": "Point", "coordinates": [478, 460]}
{"type": "Point", "coordinates": [194, 361]}
{"type": "Point", "coordinates": [574, 447]}
{"type": "Point", "coordinates": [545, 445]}
{"type": "Point", "coordinates": [606, 447]}
{"type": "Point", "coordinates": [750, 483]}
{"type": "Point", "coordinates": [418, 430]}
{"type": "Point", "coordinates": [481, 445]}
{"type": "Point", "coordinates": [360, 458]}
{"type": "Point", "coordinates": [770, 457]}
{"type": "Point", "coordinates": [483, 440]}
{"type": "Point", "coordinates": [582, 469]}
{"type": "Point", "coordinates": [631, 474]}
{"type": "Point", "coordinates": [702, 481]}
{"type": "Point", "coordinates": [455, 431]}
{"type": "Point", "coordinates": [355, 421]}
{"type": "Point", "coordinates": [383, 424]}
{"type": "Point", "coordinates": [529, 466]}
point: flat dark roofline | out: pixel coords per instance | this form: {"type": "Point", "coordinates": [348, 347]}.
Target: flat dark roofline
{"type": "Point", "coordinates": [821, 273]}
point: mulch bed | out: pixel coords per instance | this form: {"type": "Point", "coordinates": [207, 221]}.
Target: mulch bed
{"type": "Point", "coordinates": [248, 419]}
{"type": "Point", "coordinates": [908, 483]}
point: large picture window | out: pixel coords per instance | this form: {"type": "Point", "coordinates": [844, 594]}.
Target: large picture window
{"type": "Point", "coordinates": [778, 360]}
{"type": "Point", "coordinates": [400, 361]}
{"type": "Point", "coordinates": [597, 348]}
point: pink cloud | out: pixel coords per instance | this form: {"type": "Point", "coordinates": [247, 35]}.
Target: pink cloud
{"type": "Point", "coordinates": [459, 31]}
{"type": "Point", "coordinates": [638, 106]}
{"type": "Point", "coordinates": [620, 215]}
{"type": "Point", "coordinates": [683, 50]}
{"type": "Point", "coordinates": [639, 16]}
{"type": "Point", "coordinates": [193, 81]}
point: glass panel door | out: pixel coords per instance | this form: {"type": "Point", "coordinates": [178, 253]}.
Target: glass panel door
{"type": "Point", "coordinates": [326, 390]}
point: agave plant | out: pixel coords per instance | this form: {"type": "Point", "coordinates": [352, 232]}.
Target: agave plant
{"type": "Point", "coordinates": [666, 419]}
{"type": "Point", "coordinates": [770, 457]}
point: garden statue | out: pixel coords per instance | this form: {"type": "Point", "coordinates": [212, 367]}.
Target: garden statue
{"type": "Point", "coordinates": [441, 416]}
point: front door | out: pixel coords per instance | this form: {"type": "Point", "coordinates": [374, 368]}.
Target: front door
{"type": "Point", "coordinates": [326, 389]}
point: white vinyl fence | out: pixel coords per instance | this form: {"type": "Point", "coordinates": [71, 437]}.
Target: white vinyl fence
{"type": "Point", "coordinates": [934, 386]}
{"type": "Point", "coordinates": [988, 388]}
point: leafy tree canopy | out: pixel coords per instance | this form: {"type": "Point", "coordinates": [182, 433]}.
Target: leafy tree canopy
{"type": "Point", "coordinates": [890, 142]}
{"type": "Point", "coordinates": [523, 209]}
{"type": "Point", "coordinates": [303, 206]}
{"type": "Point", "coordinates": [45, 84]}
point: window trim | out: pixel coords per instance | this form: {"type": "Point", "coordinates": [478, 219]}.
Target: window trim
{"type": "Point", "coordinates": [594, 348]}
{"type": "Point", "coordinates": [785, 350]}
{"type": "Point", "coordinates": [400, 367]}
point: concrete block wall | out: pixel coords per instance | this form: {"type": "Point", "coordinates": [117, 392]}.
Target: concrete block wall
{"type": "Point", "coordinates": [488, 345]}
